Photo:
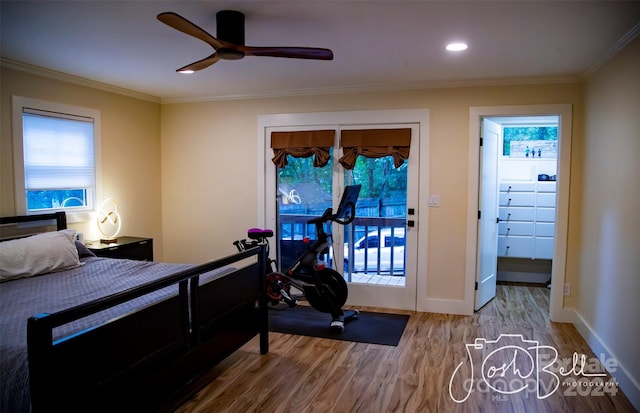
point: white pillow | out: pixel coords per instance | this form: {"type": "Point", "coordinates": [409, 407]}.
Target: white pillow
{"type": "Point", "coordinates": [38, 254]}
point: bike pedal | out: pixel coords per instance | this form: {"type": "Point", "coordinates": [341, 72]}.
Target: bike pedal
{"type": "Point", "coordinates": [337, 326]}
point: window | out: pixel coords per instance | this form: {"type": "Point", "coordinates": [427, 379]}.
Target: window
{"type": "Point", "coordinates": [530, 141]}
{"type": "Point", "coordinates": [55, 156]}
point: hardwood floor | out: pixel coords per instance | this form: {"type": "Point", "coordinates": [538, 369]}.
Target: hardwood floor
{"type": "Point", "coordinates": [304, 374]}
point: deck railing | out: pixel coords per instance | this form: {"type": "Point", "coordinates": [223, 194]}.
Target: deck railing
{"type": "Point", "coordinates": [294, 228]}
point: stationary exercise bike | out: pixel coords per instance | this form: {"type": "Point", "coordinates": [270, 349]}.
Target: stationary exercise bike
{"type": "Point", "coordinates": [324, 288]}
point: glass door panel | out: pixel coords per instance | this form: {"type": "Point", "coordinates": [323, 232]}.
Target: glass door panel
{"type": "Point", "coordinates": [374, 251]}
{"type": "Point", "coordinates": [303, 192]}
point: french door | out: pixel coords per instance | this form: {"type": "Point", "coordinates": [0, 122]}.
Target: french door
{"type": "Point", "coordinates": [377, 253]}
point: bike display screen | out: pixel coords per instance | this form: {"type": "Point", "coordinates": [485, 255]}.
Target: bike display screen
{"type": "Point", "coordinates": [347, 205]}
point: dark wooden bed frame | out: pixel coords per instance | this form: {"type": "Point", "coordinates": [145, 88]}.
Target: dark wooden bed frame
{"type": "Point", "coordinates": [145, 359]}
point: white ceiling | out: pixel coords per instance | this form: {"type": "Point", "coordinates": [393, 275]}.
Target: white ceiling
{"type": "Point", "coordinates": [377, 44]}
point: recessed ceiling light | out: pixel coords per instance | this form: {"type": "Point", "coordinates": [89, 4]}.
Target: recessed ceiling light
{"type": "Point", "coordinates": [457, 47]}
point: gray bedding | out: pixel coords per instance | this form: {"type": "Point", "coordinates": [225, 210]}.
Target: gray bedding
{"type": "Point", "coordinates": [49, 293]}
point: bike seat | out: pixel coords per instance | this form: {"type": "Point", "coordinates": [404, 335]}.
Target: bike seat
{"type": "Point", "coordinates": [257, 233]}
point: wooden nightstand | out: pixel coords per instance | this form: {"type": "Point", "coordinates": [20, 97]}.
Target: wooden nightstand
{"type": "Point", "coordinates": [133, 248]}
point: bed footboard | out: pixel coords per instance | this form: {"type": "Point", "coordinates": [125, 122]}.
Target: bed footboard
{"type": "Point", "coordinates": [143, 359]}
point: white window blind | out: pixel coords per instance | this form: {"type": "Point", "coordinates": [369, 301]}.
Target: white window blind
{"type": "Point", "coordinates": [59, 151]}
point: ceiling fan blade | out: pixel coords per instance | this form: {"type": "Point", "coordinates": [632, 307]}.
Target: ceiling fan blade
{"type": "Point", "coordinates": [290, 52]}
{"type": "Point", "coordinates": [185, 26]}
{"type": "Point", "coordinates": [200, 64]}
{"type": "Point", "coordinates": [230, 26]}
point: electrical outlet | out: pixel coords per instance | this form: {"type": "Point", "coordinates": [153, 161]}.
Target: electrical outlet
{"type": "Point", "coordinates": [567, 289]}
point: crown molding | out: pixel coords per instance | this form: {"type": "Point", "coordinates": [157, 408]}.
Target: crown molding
{"type": "Point", "coordinates": [53, 74]}
{"type": "Point", "coordinates": [339, 90]}
{"type": "Point", "coordinates": [622, 42]}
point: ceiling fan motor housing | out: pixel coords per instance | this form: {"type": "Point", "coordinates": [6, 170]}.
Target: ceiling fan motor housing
{"type": "Point", "coordinates": [230, 28]}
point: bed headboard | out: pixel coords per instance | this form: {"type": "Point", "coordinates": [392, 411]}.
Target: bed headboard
{"type": "Point", "coordinates": [59, 219]}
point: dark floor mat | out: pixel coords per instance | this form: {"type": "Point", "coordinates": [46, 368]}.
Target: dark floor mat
{"type": "Point", "coordinates": [367, 327]}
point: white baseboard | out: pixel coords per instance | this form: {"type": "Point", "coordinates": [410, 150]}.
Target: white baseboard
{"type": "Point", "coordinates": [564, 315]}
{"type": "Point", "coordinates": [628, 384]}
{"type": "Point", "coordinates": [439, 305]}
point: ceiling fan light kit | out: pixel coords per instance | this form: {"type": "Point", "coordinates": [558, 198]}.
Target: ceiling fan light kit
{"type": "Point", "coordinates": [230, 43]}
{"type": "Point", "coordinates": [457, 46]}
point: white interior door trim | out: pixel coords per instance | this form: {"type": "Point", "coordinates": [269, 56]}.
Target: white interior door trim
{"type": "Point", "coordinates": [557, 311]}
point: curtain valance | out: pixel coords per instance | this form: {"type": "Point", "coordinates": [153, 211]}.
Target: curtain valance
{"type": "Point", "coordinates": [302, 144]}
{"type": "Point", "coordinates": [375, 143]}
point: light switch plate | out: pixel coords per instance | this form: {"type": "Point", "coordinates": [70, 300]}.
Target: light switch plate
{"type": "Point", "coordinates": [434, 200]}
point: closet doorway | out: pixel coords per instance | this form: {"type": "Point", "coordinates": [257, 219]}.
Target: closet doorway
{"type": "Point", "coordinates": [522, 199]}
{"type": "Point", "coordinates": [527, 177]}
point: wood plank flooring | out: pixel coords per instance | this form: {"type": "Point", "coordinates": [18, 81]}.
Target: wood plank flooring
{"type": "Point", "coordinates": [304, 374]}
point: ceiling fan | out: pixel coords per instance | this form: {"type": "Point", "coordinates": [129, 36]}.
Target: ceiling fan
{"type": "Point", "coordinates": [229, 43]}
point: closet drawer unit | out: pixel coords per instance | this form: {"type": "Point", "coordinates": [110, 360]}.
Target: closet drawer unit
{"type": "Point", "coordinates": [543, 248]}
{"type": "Point", "coordinates": [546, 214]}
{"type": "Point", "coordinates": [546, 186]}
{"type": "Point", "coordinates": [517, 199]}
{"type": "Point", "coordinates": [517, 186]}
{"type": "Point", "coordinates": [545, 229]}
{"type": "Point", "coordinates": [515, 228]}
{"type": "Point", "coordinates": [546, 199]}
{"type": "Point", "coordinates": [517, 247]}
{"type": "Point", "coordinates": [517, 214]}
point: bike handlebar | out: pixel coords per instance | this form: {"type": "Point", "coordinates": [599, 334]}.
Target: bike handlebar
{"type": "Point", "coordinates": [328, 215]}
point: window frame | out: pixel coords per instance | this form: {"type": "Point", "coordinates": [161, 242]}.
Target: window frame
{"type": "Point", "coordinates": [18, 104]}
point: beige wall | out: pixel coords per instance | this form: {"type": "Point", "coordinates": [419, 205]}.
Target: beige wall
{"type": "Point", "coordinates": [209, 153]}
{"type": "Point", "coordinates": [130, 149]}
{"type": "Point", "coordinates": [608, 241]}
